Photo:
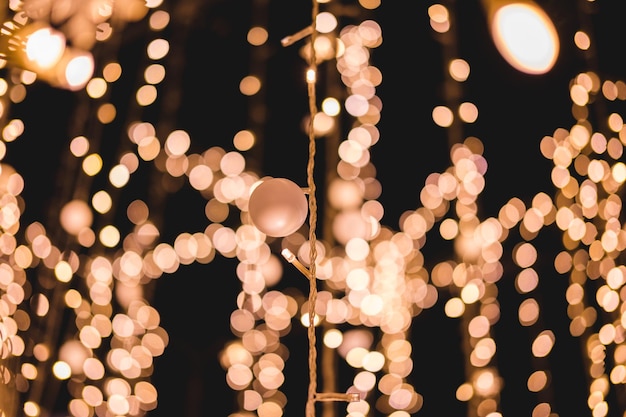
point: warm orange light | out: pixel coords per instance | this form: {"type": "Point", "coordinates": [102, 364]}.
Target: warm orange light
{"type": "Point", "coordinates": [34, 46]}
{"type": "Point", "coordinates": [42, 50]}
{"type": "Point", "coordinates": [75, 216]}
{"type": "Point", "coordinates": [523, 34]}
{"type": "Point", "coordinates": [72, 71]}
{"type": "Point", "coordinates": [44, 47]}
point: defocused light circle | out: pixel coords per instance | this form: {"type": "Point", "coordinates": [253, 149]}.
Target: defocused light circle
{"type": "Point", "coordinates": [75, 216]}
{"type": "Point", "coordinates": [525, 37]}
{"type": "Point", "coordinates": [79, 70]}
{"type": "Point", "coordinates": [45, 47]}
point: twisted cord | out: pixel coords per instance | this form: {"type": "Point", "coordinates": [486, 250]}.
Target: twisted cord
{"type": "Point", "coordinates": [311, 84]}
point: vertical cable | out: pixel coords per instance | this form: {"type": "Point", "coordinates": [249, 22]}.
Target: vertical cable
{"type": "Point", "coordinates": [311, 84]}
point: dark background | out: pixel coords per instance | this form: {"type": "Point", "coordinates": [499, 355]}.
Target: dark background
{"type": "Point", "coordinates": [209, 56]}
{"type": "Point", "coordinates": [516, 111]}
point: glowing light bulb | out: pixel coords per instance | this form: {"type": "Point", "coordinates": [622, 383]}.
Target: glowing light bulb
{"type": "Point", "coordinates": [278, 207]}
{"type": "Point", "coordinates": [45, 47]}
{"type": "Point", "coordinates": [524, 35]}
{"type": "Point", "coordinates": [77, 70]}
{"type": "Point", "coordinates": [76, 216]}
{"type": "Point", "coordinates": [74, 353]}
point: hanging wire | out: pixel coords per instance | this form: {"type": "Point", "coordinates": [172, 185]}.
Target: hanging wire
{"type": "Point", "coordinates": [311, 84]}
{"type": "Point", "coordinates": [310, 273]}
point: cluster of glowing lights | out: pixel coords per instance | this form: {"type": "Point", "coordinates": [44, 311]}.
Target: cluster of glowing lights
{"type": "Point", "coordinates": [589, 177]}
{"type": "Point", "coordinates": [31, 41]}
{"type": "Point", "coordinates": [379, 273]}
{"type": "Point", "coordinates": [373, 294]}
{"type": "Point", "coordinates": [134, 333]}
{"type": "Point", "coordinates": [586, 207]}
{"type": "Point", "coordinates": [348, 273]}
{"type": "Point", "coordinates": [43, 52]}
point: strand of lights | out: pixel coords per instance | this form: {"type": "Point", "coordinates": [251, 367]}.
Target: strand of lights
{"type": "Point", "coordinates": [36, 47]}
{"type": "Point", "coordinates": [311, 79]}
{"type": "Point", "coordinates": [306, 52]}
{"type": "Point", "coordinates": [299, 35]}
{"type": "Point", "coordinates": [378, 288]}
{"type": "Point", "coordinates": [28, 40]}
{"type": "Point", "coordinates": [473, 293]}
{"type": "Point", "coordinates": [544, 339]}
{"type": "Point", "coordinates": [589, 184]}
{"type": "Point", "coordinates": [71, 351]}
{"type": "Point", "coordinates": [291, 258]}
{"type": "Point", "coordinates": [386, 284]}
{"type": "Point", "coordinates": [392, 253]}
{"type": "Point", "coordinates": [113, 395]}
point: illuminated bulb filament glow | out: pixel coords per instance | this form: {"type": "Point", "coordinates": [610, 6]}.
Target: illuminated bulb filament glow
{"type": "Point", "coordinates": [45, 47]}
{"type": "Point", "coordinates": [291, 39]}
{"type": "Point", "coordinates": [311, 76]}
{"type": "Point", "coordinates": [291, 258]}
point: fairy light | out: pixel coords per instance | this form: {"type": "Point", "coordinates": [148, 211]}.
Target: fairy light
{"type": "Point", "coordinates": [38, 48]}
{"type": "Point", "coordinates": [477, 246]}
{"type": "Point", "coordinates": [380, 275]}
{"type": "Point", "coordinates": [291, 258]}
{"type": "Point", "coordinates": [301, 34]}
{"type": "Point", "coordinates": [524, 34]}
{"type": "Point", "coordinates": [312, 299]}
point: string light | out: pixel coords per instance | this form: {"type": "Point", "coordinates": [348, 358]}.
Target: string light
{"type": "Point", "coordinates": [291, 258]}
{"type": "Point", "coordinates": [40, 49]}
{"type": "Point", "coordinates": [301, 34]}
{"type": "Point", "coordinates": [373, 278]}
